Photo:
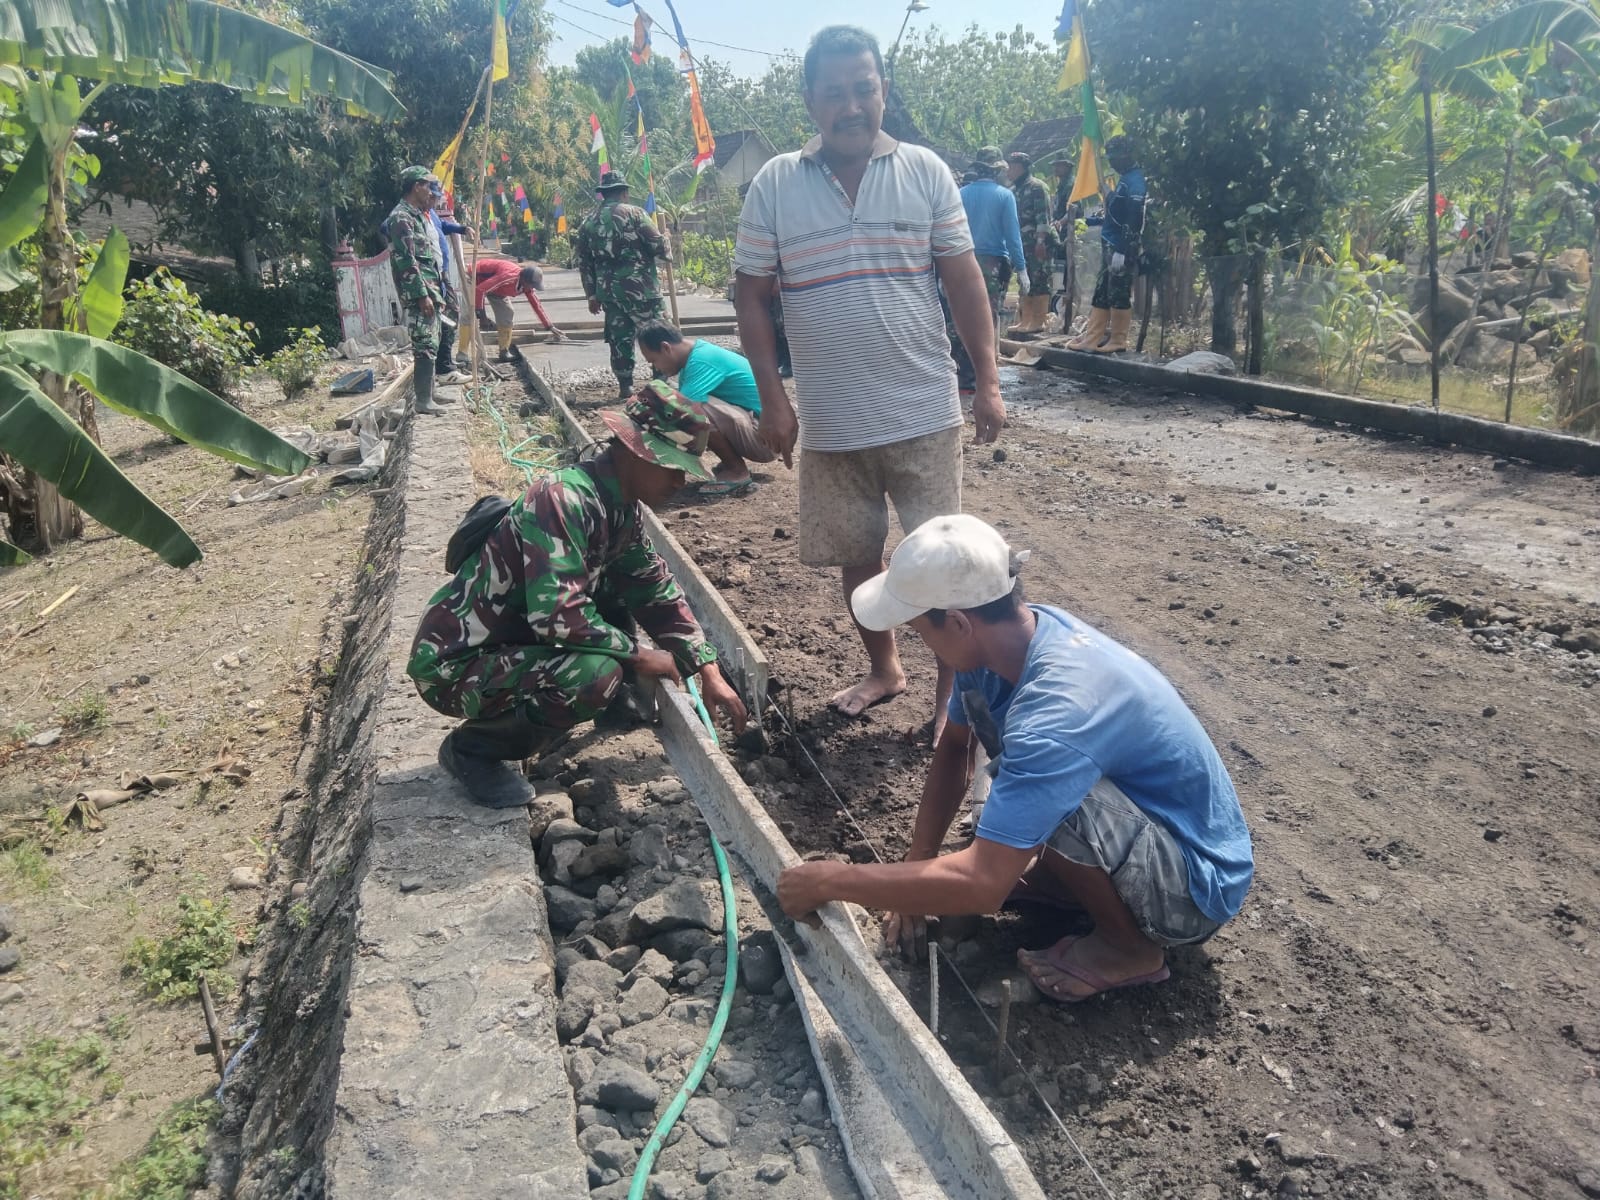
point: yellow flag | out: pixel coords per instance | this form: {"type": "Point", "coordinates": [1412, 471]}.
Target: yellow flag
{"type": "Point", "coordinates": [1087, 183]}
{"type": "Point", "coordinates": [445, 168]}
{"type": "Point", "coordinates": [502, 51]}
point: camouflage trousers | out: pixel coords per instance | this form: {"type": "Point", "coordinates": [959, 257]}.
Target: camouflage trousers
{"type": "Point", "coordinates": [424, 331]}
{"type": "Point", "coordinates": [623, 319]}
{"type": "Point", "coordinates": [1113, 289]}
{"type": "Point", "coordinates": [549, 686]}
{"type": "Point", "coordinates": [996, 279]}
{"type": "Point", "coordinates": [1038, 269]}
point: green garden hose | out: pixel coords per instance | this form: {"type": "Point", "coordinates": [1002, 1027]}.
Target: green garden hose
{"type": "Point", "coordinates": [730, 979]}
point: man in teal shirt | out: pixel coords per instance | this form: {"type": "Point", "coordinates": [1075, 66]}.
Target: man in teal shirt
{"type": "Point", "coordinates": [723, 380]}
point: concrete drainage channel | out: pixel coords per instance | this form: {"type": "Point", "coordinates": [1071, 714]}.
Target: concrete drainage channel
{"type": "Point", "coordinates": [911, 1125]}
{"type": "Point", "coordinates": [482, 1057]}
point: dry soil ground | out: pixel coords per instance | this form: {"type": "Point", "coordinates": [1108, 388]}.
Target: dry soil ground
{"type": "Point", "coordinates": [151, 669]}
{"type": "Point", "coordinates": [1373, 632]}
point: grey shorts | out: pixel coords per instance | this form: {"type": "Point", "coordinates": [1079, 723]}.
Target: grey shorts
{"type": "Point", "coordinates": [1144, 861]}
{"type": "Point", "coordinates": [844, 510]}
{"type": "Point", "coordinates": [742, 428]}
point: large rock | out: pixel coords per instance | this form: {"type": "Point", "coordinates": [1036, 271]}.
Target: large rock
{"type": "Point", "coordinates": [590, 977]}
{"type": "Point", "coordinates": [1205, 362]}
{"type": "Point", "coordinates": [622, 1087]}
{"type": "Point", "coordinates": [713, 1122]}
{"type": "Point", "coordinates": [686, 904]}
{"type": "Point", "coordinates": [602, 859]}
{"type": "Point", "coordinates": [1455, 305]}
{"type": "Point", "coordinates": [760, 965]}
{"type": "Point", "coordinates": [1570, 269]}
{"type": "Point", "coordinates": [642, 1002]}
{"type": "Point", "coordinates": [567, 909]}
{"type": "Point", "coordinates": [8, 922]}
{"type": "Point", "coordinates": [1487, 353]}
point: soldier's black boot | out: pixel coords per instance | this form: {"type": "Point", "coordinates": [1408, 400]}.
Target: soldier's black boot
{"type": "Point", "coordinates": [422, 384]}
{"type": "Point", "coordinates": [624, 387]}
{"type": "Point", "coordinates": [482, 756]}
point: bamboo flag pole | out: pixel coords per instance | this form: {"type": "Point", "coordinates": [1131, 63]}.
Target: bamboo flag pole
{"type": "Point", "coordinates": [477, 223]}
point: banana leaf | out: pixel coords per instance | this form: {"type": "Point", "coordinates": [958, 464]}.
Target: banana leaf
{"type": "Point", "coordinates": [101, 298]}
{"type": "Point", "coordinates": [11, 556]}
{"type": "Point", "coordinates": [12, 272]}
{"type": "Point", "coordinates": [1519, 31]}
{"type": "Point", "coordinates": [141, 387]}
{"type": "Point", "coordinates": [22, 201]}
{"type": "Point", "coordinates": [149, 43]}
{"type": "Point", "coordinates": [39, 435]}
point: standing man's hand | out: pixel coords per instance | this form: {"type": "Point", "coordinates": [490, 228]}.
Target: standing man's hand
{"type": "Point", "coordinates": [427, 307]}
{"type": "Point", "coordinates": [988, 411]}
{"type": "Point", "coordinates": [594, 306]}
{"type": "Point", "coordinates": [780, 429]}
{"type": "Point", "coordinates": [719, 695]}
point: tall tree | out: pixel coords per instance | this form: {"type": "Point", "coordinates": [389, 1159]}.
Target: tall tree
{"type": "Point", "coordinates": [978, 89]}
{"type": "Point", "coordinates": [661, 89]}
{"type": "Point", "coordinates": [1240, 130]}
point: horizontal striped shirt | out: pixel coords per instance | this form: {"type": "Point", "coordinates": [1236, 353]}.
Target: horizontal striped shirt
{"type": "Point", "coordinates": [860, 293]}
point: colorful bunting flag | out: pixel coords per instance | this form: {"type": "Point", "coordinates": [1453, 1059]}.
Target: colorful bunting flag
{"type": "Point", "coordinates": [597, 144]}
{"type": "Point", "coordinates": [560, 214]}
{"type": "Point", "coordinates": [641, 36]}
{"type": "Point", "coordinates": [1075, 73]}
{"type": "Point", "coordinates": [705, 146]}
{"type": "Point", "coordinates": [521, 197]}
{"type": "Point", "coordinates": [501, 61]}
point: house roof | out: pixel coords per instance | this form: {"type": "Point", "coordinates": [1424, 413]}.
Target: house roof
{"type": "Point", "coordinates": [729, 145]}
{"type": "Point", "coordinates": [1047, 139]}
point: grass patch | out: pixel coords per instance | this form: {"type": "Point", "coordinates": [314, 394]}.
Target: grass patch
{"type": "Point", "coordinates": [27, 866]}
{"type": "Point", "coordinates": [88, 713]}
{"type": "Point", "coordinates": [1407, 606]}
{"type": "Point", "coordinates": [173, 1162]}
{"type": "Point", "coordinates": [44, 1093]}
{"type": "Point", "coordinates": [170, 968]}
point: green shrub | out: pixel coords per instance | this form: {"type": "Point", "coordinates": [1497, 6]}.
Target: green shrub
{"type": "Point", "coordinates": [201, 945]}
{"type": "Point", "coordinates": [560, 251]}
{"type": "Point", "coordinates": [295, 298]}
{"type": "Point", "coordinates": [707, 261]}
{"type": "Point", "coordinates": [166, 321]}
{"type": "Point", "coordinates": [295, 366]}
{"type": "Point", "coordinates": [173, 1162]}
{"type": "Point", "coordinates": [41, 1104]}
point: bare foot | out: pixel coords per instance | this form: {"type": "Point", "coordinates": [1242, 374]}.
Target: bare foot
{"type": "Point", "coordinates": [730, 474]}
{"type": "Point", "coordinates": [1076, 968]}
{"type": "Point", "coordinates": [874, 689]}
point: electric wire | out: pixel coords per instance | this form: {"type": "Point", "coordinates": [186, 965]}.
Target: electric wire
{"type": "Point", "coordinates": [702, 41]}
{"type": "Point", "coordinates": [946, 961]}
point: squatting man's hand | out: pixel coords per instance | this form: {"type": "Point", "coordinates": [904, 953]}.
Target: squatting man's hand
{"type": "Point", "coordinates": [804, 889]}
{"type": "Point", "coordinates": [908, 934]}
{"type": "Point", "coordinates": [594, 307]}
{"type": "Point", "coordinates": [717, 693]}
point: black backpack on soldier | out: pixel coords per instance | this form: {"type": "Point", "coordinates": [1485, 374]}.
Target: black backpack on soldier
{"type": "Point", "coordinates": [474, 530]}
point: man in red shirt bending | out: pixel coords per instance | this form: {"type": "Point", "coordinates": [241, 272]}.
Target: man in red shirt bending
{"type": "Point", "coordinates": [499, 279]}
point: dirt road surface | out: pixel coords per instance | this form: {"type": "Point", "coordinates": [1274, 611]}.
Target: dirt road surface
{"type": "Point", "coordinates": [1395, 648]}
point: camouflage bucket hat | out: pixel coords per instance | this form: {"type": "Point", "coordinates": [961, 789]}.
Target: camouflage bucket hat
{"type": "Point", "coordinates": [663, 426]}
{"type": "Point", "coordinates": [411, 176]}
{"type": "Point", "coordinates": [988, 158]}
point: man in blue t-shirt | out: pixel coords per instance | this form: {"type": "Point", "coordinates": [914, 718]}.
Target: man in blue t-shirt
{"type": "Point", "coordinates": [723, 380]}
{"type": "Point", "coordinates": [1106, 792]}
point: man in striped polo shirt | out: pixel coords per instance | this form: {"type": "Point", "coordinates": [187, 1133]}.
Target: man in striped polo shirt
{"type": "Point", "coordinates": [856, 232]}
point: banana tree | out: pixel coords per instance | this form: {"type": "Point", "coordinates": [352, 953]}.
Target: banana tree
{"type": "Point", "coordinates": [46, 48]}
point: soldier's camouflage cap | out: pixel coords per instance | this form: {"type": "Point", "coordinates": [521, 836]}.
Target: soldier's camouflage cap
{"type": "Point", "coordinates": [411, 176]}
{"type": "Point", "coordinates": [663, 426]}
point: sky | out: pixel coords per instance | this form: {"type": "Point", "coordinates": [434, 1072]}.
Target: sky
{"type": "Point", "coordinates": [773, 26]}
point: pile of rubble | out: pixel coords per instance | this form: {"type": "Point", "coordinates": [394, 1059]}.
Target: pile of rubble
{"type": "Point", "coordinates": [636, 909]}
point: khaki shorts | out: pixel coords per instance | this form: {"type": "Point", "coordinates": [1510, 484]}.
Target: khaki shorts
{"type": "Point", "coordinates": [844, 520]}
{"type": "Point", "coordinates": [1144, 860]}
{"type": "Point", "coordinates": [742, 428]}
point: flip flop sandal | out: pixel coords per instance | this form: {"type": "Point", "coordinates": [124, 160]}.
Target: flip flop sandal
{"type": "Point", "coordinates": [721, 487]}
{"type": "Point", "coordinates": [1100, 986]}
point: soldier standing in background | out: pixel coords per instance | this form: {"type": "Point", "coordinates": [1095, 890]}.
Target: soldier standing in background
{"type": "Point", "coordinates": [418, 277]}
{"type": "Point", "coordinates": [618, 247]}
{"type": "Point", "coordinates": [539, 627]}
{"type": "Point", "coordinates": [1038, 239]}
{"type": "Point", "coordinates": [1121, 227]}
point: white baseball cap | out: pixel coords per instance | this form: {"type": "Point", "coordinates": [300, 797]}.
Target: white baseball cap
{"type": "Point", "coordinates": [947, 563]}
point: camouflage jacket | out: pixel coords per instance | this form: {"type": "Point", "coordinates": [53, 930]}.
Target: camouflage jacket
{"type": "Point", "coordinates": [569, 536]}
{"type": "Point", "coordinates": [1033, 212]}
{"type": "Point", "coordinates": [412, 256]}
{"type": "Point", "coordinates": [618, 246]}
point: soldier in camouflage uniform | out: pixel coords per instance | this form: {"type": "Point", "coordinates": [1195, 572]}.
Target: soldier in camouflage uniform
{"type": "Point", "coordinates": [1038, 240]}
{"type": "Point", "coordinates": [418, 277]}
{"type": "Point", "coordinates": [535, 634]}
{"type": "Point", "coordinates": [618, 247]}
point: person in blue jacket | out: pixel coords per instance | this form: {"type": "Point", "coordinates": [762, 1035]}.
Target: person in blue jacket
{"type": "Point", "coordinates": [1121, 226]}
{"type": "Point", "coordinates": [997, 239]}
{"type": "Point", "coordinates": [445, 369]}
